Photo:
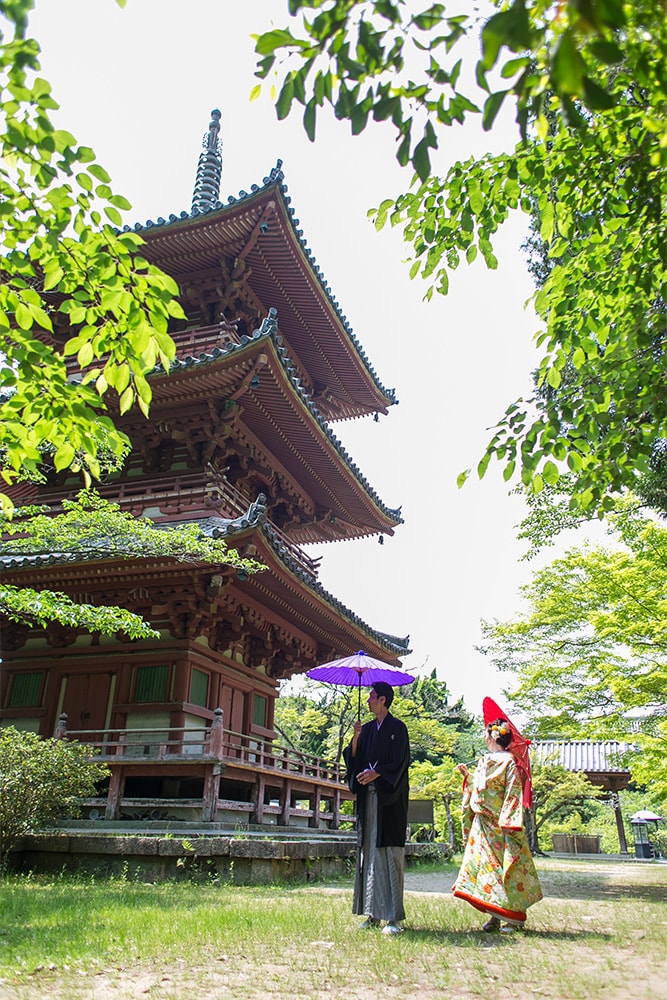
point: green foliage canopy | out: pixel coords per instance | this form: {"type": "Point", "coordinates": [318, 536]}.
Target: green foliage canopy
{"type": "Point", "coordinates": [588, 83]}
{"type": "Point", "coordinates": [90, 528]}
{"type": "Point", "coordinates": [590, 652]}
{"type": "Point", "coordinates": [73, 286]}
{"type": "Point", "coordinates": [41, 781]}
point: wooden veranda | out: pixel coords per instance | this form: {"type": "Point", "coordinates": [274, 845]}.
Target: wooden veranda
{"type": "Point", "coordinates": [211, 775]}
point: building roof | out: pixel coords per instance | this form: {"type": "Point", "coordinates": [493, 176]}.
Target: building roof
{"type": "Point", "coordinates": [274, 594]}
{"type": "Point", "coordinates": [297, 436]}
{"type": "Point", "coordinates": [259, 229]}
{"type": "Point", "coordinates": [303, 598]}
{"type": "Point", "coordinates": [590, 756]}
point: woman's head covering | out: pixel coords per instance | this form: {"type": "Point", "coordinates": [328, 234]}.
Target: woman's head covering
{"type": "Point", "coordinates": [518, 747]}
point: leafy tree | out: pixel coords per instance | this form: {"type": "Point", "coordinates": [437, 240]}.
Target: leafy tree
{"type": "Point", "coordinates": [442, 783]}
{"type": "Point", "coordinates": [589, 88]}
{"type": "Point", "coordinates": [436, 728]}
{"type": "Point", "coordinates": [92, 528]}
{"type": "Point", "coordinates": [75, 291]}
{"type": "Point", "coordinates": [557, 794]}
{"type": "Point", "coordinates": [41, 781]}
{"type": "Point", "coordinates": [73, 287]}
{"type": "Point", "coordinates": [590, 651]}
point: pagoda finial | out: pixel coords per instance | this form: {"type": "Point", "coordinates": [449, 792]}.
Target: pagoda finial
{"type": "Point", "coordinates": [209, 168]}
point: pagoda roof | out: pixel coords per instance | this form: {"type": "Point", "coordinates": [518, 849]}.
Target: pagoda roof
{"type": "Point", "coordinates": [298, 435]}
{"type": "Point", "coordinates": [272, 593]}
{"type": "Point", "coordinates": [288, 589]}
{"type": "Point", "coordinates": [259, 228]}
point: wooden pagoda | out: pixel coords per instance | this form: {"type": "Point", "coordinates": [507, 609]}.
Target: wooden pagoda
{"type": "Point", "coordinates": [239, 440]}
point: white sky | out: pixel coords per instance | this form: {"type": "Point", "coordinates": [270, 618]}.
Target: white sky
{"type": "Point", "coordinates": [138, 86]}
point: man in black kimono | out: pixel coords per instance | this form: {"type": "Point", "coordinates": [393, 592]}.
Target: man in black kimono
{"type": "Point", "coordinates": [377, 762]}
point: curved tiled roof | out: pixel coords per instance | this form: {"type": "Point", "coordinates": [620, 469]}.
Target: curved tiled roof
{"type": "Point", "coordinates": [227, 529]}
{"type": "Point", "coordinates": [269, 331]}
{"type": "Point", "coordinates": [221, 528]}
{"type": "Point", "coordinates": [276, 179]}
{"type": "Point", "coordinates": [591, 756]}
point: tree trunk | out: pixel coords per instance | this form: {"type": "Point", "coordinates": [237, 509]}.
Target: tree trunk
{"type": "Point", "coordinates": [451, 836]}
{"type": "Point", "coordinates": [531, 830]}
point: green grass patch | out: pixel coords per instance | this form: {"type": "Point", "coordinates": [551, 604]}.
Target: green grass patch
{"type": "Point", "coordinates": [601, 927]}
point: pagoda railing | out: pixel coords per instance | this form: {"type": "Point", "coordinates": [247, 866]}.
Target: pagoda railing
{"type": "Point", "coordinates": [189, 492]}
{"type": "Point", "coordinates": [211, 743]}
{"type": "Point", "coordinates": [205, 338]}
{"type": "Point", "coordinates": [233, 501]}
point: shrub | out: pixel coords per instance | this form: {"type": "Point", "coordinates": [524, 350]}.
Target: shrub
{"type": "Point", "coordinates": [41, 780]}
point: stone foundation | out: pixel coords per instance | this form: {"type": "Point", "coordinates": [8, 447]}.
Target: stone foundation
{"type": "Point", "coordinates": [252, 860]}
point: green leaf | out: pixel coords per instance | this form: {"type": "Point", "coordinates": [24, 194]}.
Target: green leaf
{"type": "Point", "coordinates": [23, 317]}
{"type": "Point", "coordinates": [550, 473]}
{"type": "Point", "coordinates": [64, 456]}
{"type": "Point", "coordinates": [267, 43]}
{"type": "Point", "coordinates": [99, 172]}
{"type": "Point", "coordinates": [284, 102]}
{"type": "Point", "coordinates": [421, 159]}
{"type": "Point", "coordinates": [113, 215]}
{"type": "Point", "coordinates": [554, 378]}
{"type": "Point", "coordinates": [492, 106]}
{"type": "Point", "coordinates": [309, 119]}
{"type": "Point", "coordinates": [568, 67]}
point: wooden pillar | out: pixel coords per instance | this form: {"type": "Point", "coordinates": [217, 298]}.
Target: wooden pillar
{"type": "Point", "coordinates": [616, 806]}
{"type": "Point", "coordinates": [211, 793]}
{"type": "Point", "coordinates": [335, 820]}
{"type": "Point", "coordinates": [315, 803]}
{"type": "Point", "coordinates": [115, 794]}
{"type": "Point", "coordinates": [216, 735]}
{"type": "Point", "coordinates": [286, 804]}
{"type": "Point", "coordinates": [260, 788]}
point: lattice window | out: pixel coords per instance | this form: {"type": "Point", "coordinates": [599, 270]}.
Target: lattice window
{"type": "Point", "coordinates": [259, 707]}
{"type": "Point", "coordinates": [151, 684]}
{"type": "Point", "coordinates": [26, 690]}
{"type": "Point", "coordinates": [199, 688]}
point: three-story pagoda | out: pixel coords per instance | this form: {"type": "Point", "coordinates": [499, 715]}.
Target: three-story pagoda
{"type": "Point", "coordinates": [239, 440]}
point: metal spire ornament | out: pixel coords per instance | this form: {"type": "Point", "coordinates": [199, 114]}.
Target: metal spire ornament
{"type": "Point", "coordinates": [209, 168]}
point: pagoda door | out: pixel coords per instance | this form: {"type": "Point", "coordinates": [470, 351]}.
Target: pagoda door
{"type": "Point", "coordinates": [86, 701]}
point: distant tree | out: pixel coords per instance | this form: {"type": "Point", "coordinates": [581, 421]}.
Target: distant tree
{"type": "Point", "coordinates": [441, 783]}
{"type": "Point", "coordinates": [41, 781]}
{"type": "Point", "coordinates": [557, 793]}
{"type": "Point", "coordinates": [589, 654]}
{"type": "Point", "coordinates": [92, 528]}
{"type": "Point", "coordinates": [588, 85]}
{"type": "Point", "coordinates": [436, 728]}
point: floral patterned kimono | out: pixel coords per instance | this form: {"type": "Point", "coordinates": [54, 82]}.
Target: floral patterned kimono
{"type": "Point", "coordinates": [497, 875]}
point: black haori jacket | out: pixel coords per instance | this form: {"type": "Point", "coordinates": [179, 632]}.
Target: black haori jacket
{"type": "Point", "coordinates": [387, 751]}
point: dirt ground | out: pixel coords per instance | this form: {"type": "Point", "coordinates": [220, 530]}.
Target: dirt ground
{"type": "Point", "coordinates": [626, 961]}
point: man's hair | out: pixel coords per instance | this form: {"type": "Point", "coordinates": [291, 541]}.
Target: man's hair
{"type": "Point", "coordinates": [384, 690]}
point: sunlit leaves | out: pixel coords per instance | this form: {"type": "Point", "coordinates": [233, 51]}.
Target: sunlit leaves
{"type": "Point", "coordinates": [90, 528]}
{"type": "Point", "coordinates": [590, 654]}
{"type": "Point", "coordinates": [64, 269]}
{"type": "Point", "coordinates": [588, 87]}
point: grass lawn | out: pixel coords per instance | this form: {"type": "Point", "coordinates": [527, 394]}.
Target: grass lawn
{"type": "Point", "coordinates": [599, 934]}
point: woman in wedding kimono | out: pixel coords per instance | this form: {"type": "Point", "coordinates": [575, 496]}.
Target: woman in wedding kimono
{"type": "Point", "coordinates": [497, 875]}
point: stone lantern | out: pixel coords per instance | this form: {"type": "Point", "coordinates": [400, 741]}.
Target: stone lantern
{"type": "Point", "coordinates": [643, 824]}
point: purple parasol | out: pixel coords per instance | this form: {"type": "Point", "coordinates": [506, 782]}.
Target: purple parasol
{"type": "Point", "coordinates": [359, 670]}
